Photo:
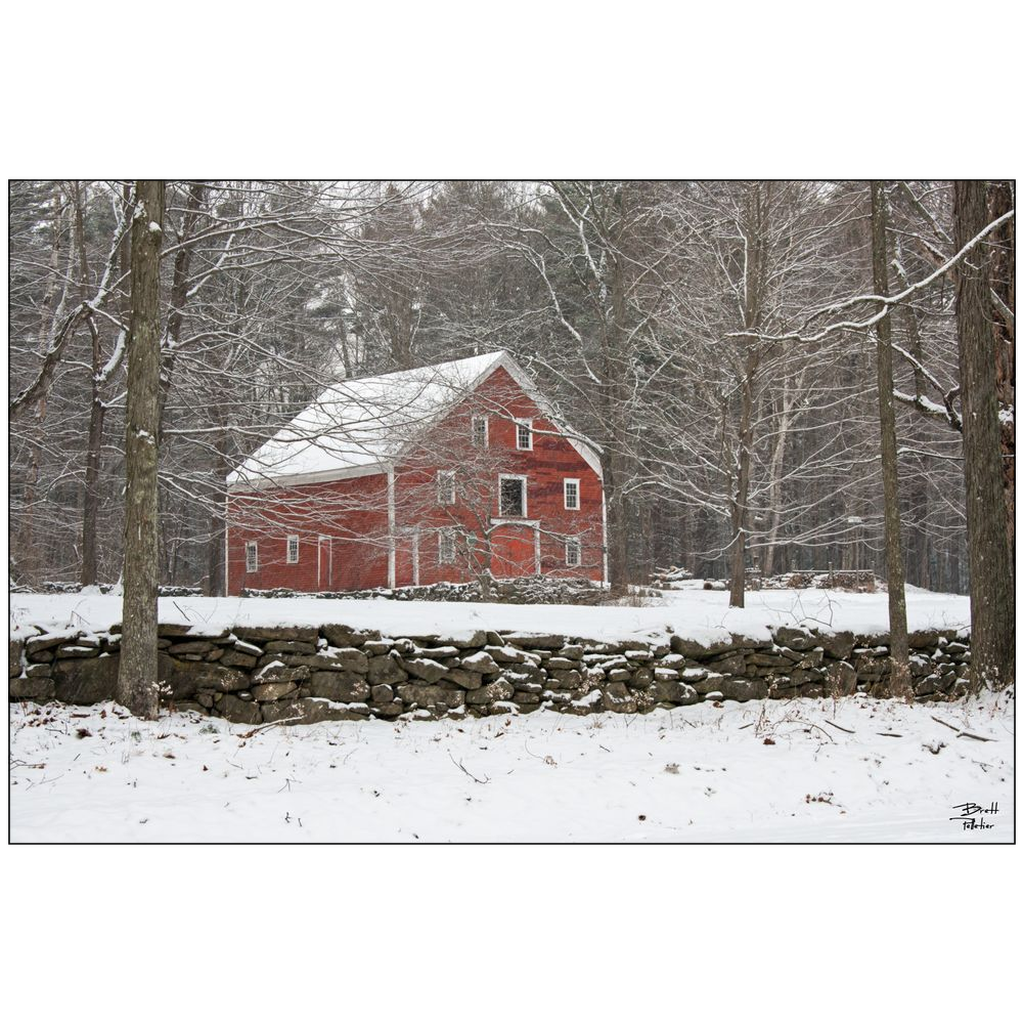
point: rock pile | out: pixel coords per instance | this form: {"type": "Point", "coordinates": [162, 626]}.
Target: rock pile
{"type": "Point", "coordinates": [306, 674]}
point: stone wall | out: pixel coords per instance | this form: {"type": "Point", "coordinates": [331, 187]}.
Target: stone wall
{"type": "Point", "coordinates": [519, 590]}
{"type": "Point", "coordinates": [305, 674]}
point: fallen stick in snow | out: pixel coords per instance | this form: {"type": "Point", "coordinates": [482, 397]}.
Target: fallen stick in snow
{"type": "Point", "coordinates": [962, 732]}
{"type": "Point", "coordinates": [895, 735]}
{"type": "Point", "coordinates": [828, 721]}
{"type": "Point", "coordinates": [811, 725]}
{"type": "Point", "coordinates": [268, 725]}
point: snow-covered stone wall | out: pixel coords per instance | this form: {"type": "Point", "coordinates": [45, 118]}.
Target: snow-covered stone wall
{"type": "Point", "coordinates": [306, 674]}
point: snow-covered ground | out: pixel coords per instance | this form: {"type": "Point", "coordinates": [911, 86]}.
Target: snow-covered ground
{"type": "Point", "coordinates": [701, 773]}
{"type": "Point", "coordinates": [697, 614]}
{"type": "Point", "coordinates": [760, 772]}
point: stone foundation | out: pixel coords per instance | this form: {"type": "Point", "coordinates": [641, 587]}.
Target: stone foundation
{"type": "Point", "coordinates": [519, 590]}
{"type": "Point", "coordinates": [307, 674]}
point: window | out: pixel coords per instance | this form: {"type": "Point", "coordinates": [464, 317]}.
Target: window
{"type": "Point", "coordinates": [572, 493]}
{"type": "Point", "coordinates": [524, 435]}
{"type": "Point", "coordinates": [252, 560]}
{"type": "Point", "coordinates": [573, 553]}
{"type": "Point", "coordinates": [446, 487]}
{"type": "Point", "coordinates": [445, 547]}
{"type": "Point", "coordinates": [293, 548]}
{"type": "Point", "coordinates": [512, 496]}
{"type": "Point", "coordinates": [479, 431]}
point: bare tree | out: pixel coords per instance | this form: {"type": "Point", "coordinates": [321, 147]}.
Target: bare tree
{"type": "Point", "coordinates": [137, 683]}
{"type": "Point", "coordinates": [895, 571]}
{"type": "Point", "coordinates": [992, 602]}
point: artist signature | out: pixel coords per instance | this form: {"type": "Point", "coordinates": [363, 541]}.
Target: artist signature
{"type": "Point", "coordinates": [973, 815]}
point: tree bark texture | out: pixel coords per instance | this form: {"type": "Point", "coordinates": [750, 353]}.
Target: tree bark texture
{"type": "Point", "coordinates": [1003, 279]}
{"type": "Point", "coordinates": [755, 281]}
{"type": "Point", "coordinates": [179, 287]}
{"type": "Point", "coordinates": [738, 557]}
{"type": "Point", "coordinates": [618, 459]}
{"type": "Point", "coordinates": [137, 683]}
{"type": "Point", "coordinates": [991, 587]}
{"type": "Point", "coordinates": [91, 499]}
{"type": "Point", "coordinates": [895, 573]}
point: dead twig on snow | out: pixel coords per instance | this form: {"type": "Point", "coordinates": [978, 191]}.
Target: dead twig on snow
{"type": "Point", "coordinates": [462, 768]}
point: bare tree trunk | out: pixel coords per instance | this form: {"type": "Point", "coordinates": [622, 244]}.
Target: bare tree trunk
{"type": "Point", "coordinates": [899, 683]}
{"type": "Point", "coordinates": [755, 231]}
{"type": "Point", "coordinates": [789, 394]}
{"type": "Point", "coordinates": [737, 581]}
{"type": "Point", "coordinates": [28, 563]}
{"type": "Point", "coordinates": [992, 601]}
{"type": "Point", "coordinates": [1003, 280]}
{"type": "Point", "coordinates": [216, 553]}
{"type": "Point", "coordinates": [91, 501]}
{"type": "Point", "coordinates": [919, 543]}
{"type": "Point", "coordinates": [614, 344]}
{"type": "Point", "coordinates": [179, 287]}
{"type": "Point", "coordinates": [137, 684]}
{"type": "Point", "coordinates": [616, 540]}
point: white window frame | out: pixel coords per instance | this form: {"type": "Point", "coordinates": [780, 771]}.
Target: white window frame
{"type": "Point", "coordinates": [446, 479]}
{"type": "Point", "coordinates": [445, 537]}
{"type": "Point", "coordinates": [502, 477]}
{"type": "Point", "coordinates": [574, 545]}
{"type": "Point", "coordinates": [565, 493]}
{"type": "Point", "coordinates": [487, 431]}
{"type": "Point", "coordinates": [529, 436]}
{"type": "Point", "coordinates": [252, 556]}
{"type": "Point", "coordinates": [292, 538]}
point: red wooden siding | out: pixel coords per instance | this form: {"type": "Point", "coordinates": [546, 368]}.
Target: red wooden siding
{"type": "Point", "coordinates": [352, 516]}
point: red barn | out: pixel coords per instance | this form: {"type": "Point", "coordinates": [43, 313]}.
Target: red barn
{"type": "Point", "coordinates": [447, 472]}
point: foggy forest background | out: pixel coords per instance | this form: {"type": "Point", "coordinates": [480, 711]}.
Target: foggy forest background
{"type": "Point", "coordinates": [694, 330]}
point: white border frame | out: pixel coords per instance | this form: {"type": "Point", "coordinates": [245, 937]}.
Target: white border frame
{"type": "Point", "coordinates": [288, 560]}
{"type": "Point", "coordinates": [255, 547]}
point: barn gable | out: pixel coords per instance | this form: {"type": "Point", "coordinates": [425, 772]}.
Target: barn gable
{"type": "Point", "coordinates": [362, 427]}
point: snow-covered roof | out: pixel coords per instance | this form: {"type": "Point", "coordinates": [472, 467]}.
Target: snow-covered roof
{"type": "Point", "coordinates": [359, 426]}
